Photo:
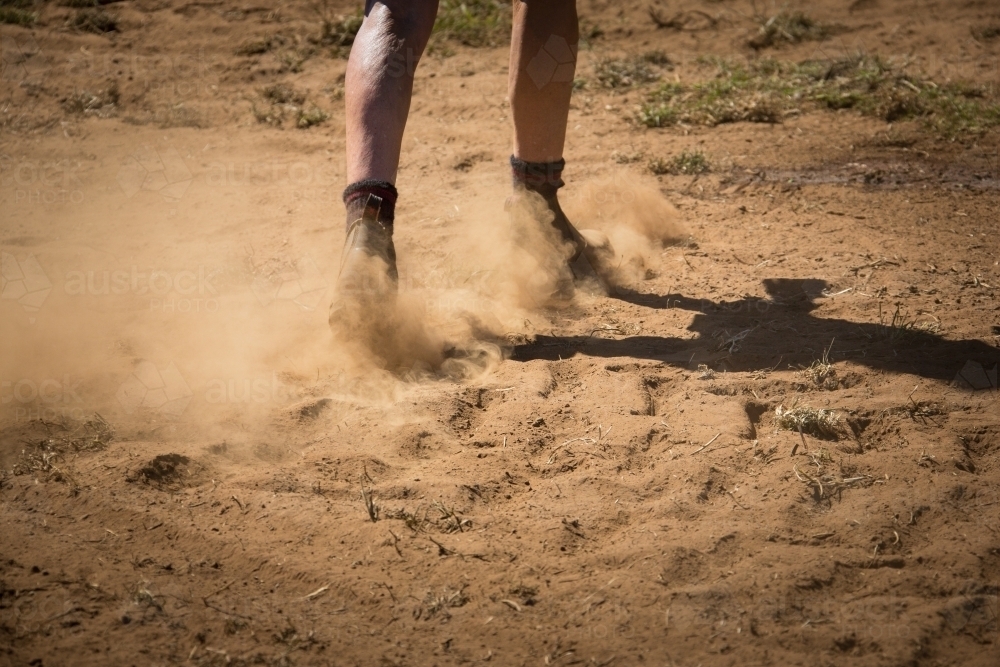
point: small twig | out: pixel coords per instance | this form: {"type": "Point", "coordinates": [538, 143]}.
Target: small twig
{"type": "Point", "coordinates": [388, 588]}
{"type": "Point", "coordinates": [65, 613]}
{"type": "Point", "coordinates": [442, 549]}
{"type": "Point", "coordinates": [872, 265]}
{"type": "Point", "coordinates": [706, 444]}
{"type": "Point", "coordinates": [552, 456]}
{"type": "Point", "coordinates": [513, 605]}
{"type": "Point", "coordinates": [395, 543]}
{"type": "Point", "coordinates": [803, 437]}
{"type": "Point", "coordinates": [607, 329]}
{"type": "Point", "coordinates": [205, 598]}
{"type": "Point", "coordinates": [369, 499]}
{"type": "Point", "coordinates": [238, 502]}
{"type": "Point", "coordinates": [316, 593]}
{"type": "Point", "coordinates": [228, 613]}
{"type": "Point", "coordinates": [742, 506]}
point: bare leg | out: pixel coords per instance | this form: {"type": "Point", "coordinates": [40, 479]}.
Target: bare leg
{"type": "Point", "coordinates": [379, 83]}
{"type": "Point", "coordinates": [542, 65]}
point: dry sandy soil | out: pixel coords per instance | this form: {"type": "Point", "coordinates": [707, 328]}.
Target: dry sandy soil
{"type": "Point", "coordinates": [608, 483]}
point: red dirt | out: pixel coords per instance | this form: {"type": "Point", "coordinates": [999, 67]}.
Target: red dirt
{"type": "Point", "coordinates": [616, 491]}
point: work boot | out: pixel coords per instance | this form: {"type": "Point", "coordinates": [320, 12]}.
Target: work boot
{"type": "Point", "coordinates": [591, 255]}
{"type": "Point", "coordinates": [367, 282]}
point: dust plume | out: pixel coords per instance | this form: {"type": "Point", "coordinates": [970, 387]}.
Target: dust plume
{"type": "Point", "coordinates": [255, 355]}
{"type": "Point", "coordinates": [634, 215]}
{"type": "Point", "coordinates": [503, 272]}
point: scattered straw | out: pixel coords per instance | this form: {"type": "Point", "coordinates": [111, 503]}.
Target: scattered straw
{"type": "Point", "coordinates": [819, 423]}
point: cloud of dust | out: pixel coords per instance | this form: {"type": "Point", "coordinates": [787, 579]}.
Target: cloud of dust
{"type": "Point", "coordinates": [248, 369]}
{"type": "Point", "coordinates": [504, 272]}
{"type": "Point", "coordinates": [632, 212]}
{"type": "Point", "coordinates": [452, 317]}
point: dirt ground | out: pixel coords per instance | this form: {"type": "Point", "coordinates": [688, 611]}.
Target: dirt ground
{"type": "Point", "coordinates": [195, 473]}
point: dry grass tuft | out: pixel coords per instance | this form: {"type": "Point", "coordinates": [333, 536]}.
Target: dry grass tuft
{"type": "Point", "coordinates": [46, 457]}
{"type": "Point", "coordinates": [474, 22]}
{"type": "Point", "coordinates": [444, 519]}
{"type": "Point", "coordinates": [93, 20]}
{"type": "Point", "coordinates": [435, 603]}
{"type": "Point", "coordinates": [280, 93]}
{"type": "Point", "coordinates": [627, 72]}
{"type": "Point", "coordinates": [687, 163]}
{"type": "Point", "coordinates": [766, 90]}
{"type": "Point", "coordinates": [826, 482]}
{"type": "Point", "coordinates": [283, 101]}
{"type": "Point", "coordinates": [790, 28]}
{"type": "Point", "coordinates": [987, 32]}
{"type": "Point", "coordinates": [337, 30]}
{"type": "Point", "coordinates": [103, 103]}
{"type": "Point", "coordinates": [899, 327]}
{"type": "Point", "coordinates": [17, 12]}
{"type": "Point", "coordinates": [819, 423]}
{"type": "Point", "coordinates": [821, 372]}
{"type": "Point", "coordinates": [312, 116]}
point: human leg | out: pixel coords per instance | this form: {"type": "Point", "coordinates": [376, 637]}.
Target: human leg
{"type": "Point", "coordinates": [378, 87]}
{"type": "Point", "coordinates": [543, 55]}
{"type": "Point", "coordinates": [542, 65]}
{"type": "Point", "coordinates": [379, 83]}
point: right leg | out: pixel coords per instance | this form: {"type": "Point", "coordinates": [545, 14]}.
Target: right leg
{"type": "Point", "coordinates": [378, 86]}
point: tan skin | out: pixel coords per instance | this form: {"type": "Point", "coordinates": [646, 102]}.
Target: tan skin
{"type": "Point", "coordinates": [383, 60]}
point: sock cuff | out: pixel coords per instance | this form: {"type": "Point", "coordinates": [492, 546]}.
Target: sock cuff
{"type": "Point", "coordinates": [357, 194]}
{"type": "Point", "coordinates": [537, 174]}
{"type": "Point", "coordinates": [384, 189]}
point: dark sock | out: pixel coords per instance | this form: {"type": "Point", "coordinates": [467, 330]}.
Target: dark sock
{"type": "Point", "coordinates": [545, 179]}
{"type": "Point", "coordinates": [541, 177]}
{"type": "Point", "coordinates": [379, 196]}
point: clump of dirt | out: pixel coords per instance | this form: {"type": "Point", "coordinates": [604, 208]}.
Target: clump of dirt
{"type": "Point", "coordinates": [169, 472]}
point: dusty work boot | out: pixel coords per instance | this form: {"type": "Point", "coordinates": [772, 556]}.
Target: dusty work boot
{"type": "Point", "coordinates": [590, 255]}
{"type": "Point", "coordinates": [367, 283]}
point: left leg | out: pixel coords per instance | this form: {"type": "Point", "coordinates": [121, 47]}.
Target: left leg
{"type": "Point", "coordinates": [543, 50]}
{"type": "Point", "coordinates": [543, 53]}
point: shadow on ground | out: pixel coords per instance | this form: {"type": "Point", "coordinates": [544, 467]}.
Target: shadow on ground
{"type": "Point", "coordinates": [767, 332]}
